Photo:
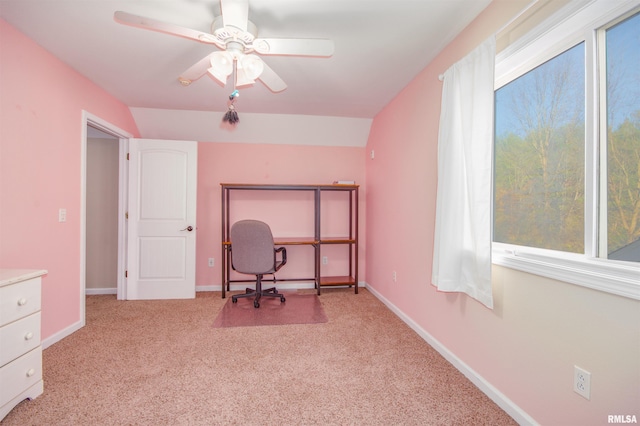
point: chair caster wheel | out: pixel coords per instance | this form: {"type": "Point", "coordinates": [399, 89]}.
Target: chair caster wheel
{"type": "Point", "coordinates": [282, 299]}
{"type": "Point", "coordinates": [234, 299]}
{"type": "Point", "coordinates": [256, 304]}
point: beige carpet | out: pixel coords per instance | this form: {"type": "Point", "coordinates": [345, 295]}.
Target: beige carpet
{"type": "Point", "coordinates": [162, 363]}
{"type": "Point", "coordinates": [297, 309]}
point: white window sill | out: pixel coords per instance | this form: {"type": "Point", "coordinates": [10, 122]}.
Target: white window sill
{"type": "Point", "coordinates": [620, 278]}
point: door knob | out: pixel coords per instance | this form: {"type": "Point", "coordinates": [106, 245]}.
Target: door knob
{"type": "Point", "coordinates": [188, 228]}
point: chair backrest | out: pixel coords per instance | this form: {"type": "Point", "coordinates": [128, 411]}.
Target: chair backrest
{"type": "Point", "coordinates": [252, 250]}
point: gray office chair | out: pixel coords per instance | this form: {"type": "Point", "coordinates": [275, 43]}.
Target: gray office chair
{"type": "Point", "coordinates": [253, 252]}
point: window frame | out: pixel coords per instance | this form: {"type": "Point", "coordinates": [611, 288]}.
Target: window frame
{"type": "Point", "coordinates": [577, 22]}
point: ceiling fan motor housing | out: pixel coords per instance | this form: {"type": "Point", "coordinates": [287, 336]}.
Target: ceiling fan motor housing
{"type": "Point", "coordinates": [230, 34]}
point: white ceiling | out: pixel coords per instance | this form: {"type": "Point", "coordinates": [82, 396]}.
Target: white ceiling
{"type": "Point", "coordinates": [380, 46]}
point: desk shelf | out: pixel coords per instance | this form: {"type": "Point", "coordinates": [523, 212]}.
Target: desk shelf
{"type": "Point", "coordinates": [350, 239]}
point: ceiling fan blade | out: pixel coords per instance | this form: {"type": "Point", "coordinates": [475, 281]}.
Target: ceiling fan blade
{"type": "Point", "coordinates": [294, 46]}
{"type": "Point", "coordinates": [235, 13]}
{"type": "Point", "coordinates": [272, 80]}
{"type": "Point", "coordinates": [164, 27]}
{"type": "Point", "coordinates": [196, 71]}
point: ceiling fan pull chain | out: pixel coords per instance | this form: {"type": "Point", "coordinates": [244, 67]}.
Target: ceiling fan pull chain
{"type": "Point", "coordinates": [231, 116]}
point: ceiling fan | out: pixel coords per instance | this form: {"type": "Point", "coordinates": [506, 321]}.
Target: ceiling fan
{"type": "Point", "coordinates": [236, 36]}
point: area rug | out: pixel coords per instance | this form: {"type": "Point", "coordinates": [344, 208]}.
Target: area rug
{"type": "Point", "coordinates": [298, 309]}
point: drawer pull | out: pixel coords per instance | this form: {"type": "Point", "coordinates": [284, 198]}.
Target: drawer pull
{"type": "Point", "coordinates": [31, 372]}
{"type": "Point", "coordinates": [22, 301]}
{"type": "Point", "coordinates": [28, 336]}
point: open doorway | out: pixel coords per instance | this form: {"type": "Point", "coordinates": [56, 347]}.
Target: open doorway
{"type": "Point", "coordinates": [93, 128]}
{"type": "Point", "coordinates": [101, 272]}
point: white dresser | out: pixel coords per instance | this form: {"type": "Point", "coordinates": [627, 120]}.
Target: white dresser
{"type": "Point", "coordinates": [20, 349]}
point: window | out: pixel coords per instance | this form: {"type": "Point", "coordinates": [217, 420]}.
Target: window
{"type": "Point", "coordinates": [567, 150]}
{"type": "Point", "coordinates": [622, 150]}
{"type": "Point", "coordinates": [539, 156]}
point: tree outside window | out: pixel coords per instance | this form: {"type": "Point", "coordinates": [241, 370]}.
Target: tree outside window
{"type": "Point", "coordinates": [623, 140]}
{"type": "Point", "coordinates": [539, 156]}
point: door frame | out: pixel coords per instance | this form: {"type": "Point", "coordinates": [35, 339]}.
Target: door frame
{"type": "Point", "coordinates": [123, 145]}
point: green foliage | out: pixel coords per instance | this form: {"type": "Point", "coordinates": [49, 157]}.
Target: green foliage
{"type": "Point", "coordinates": [548, 212]}
{"type": "Point", "coordinates": [623, 183]}
{"type": "Point", "coordinates": [539, 200]}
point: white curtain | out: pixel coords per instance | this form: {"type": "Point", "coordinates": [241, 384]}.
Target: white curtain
{"type": "Point", "coordinates": [462, 247]}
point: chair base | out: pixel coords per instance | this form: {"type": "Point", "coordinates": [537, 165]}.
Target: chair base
{"type": "Point", "coordinates": [258, 293]}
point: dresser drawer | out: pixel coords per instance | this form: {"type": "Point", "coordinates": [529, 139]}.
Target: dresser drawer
{"type": "Point", "coordinates": [19, 337]}
{"type": "Point", "coordinates": [20, 374]}
{"type": "Point", "coordinates": [19, 300]}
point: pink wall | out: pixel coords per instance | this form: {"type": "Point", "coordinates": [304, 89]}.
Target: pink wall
{"type": "Point", "coordinates": [526, 347]}
{"type": "Point", "coordinates": [40, 145]}
{"type": "Point", "coordinates": [271, 164]}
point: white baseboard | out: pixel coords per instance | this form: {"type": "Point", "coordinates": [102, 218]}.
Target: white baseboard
{"type": "Point", "coordinates": [281, 286]}
{"type": "Point", "coordinates": [265, 284]}
{"type": "Point", "coordinates": [214, 287]}
{"type": "Point", "coordinates": [208, 288]}
{"type": "Point", "coordinates": [95, 291]}
{"type": "Point", "coordinates": [62, 334]}
{"type": "Point", "coordinates": [487, 388]}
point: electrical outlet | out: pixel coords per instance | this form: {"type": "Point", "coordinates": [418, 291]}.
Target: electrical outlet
{"type": "Point", "coordinates": [582, 382]}
{"type": "Point", "coordinates": [325, 260]}
{"type": "Point", "coordinates": [395, 276]}
{"type": "Point", "coordinates": [372, 154]}
{"type": "Point", "coordinates": [62, 215]}
{"type": "Point", "coordinates": [211, 261]}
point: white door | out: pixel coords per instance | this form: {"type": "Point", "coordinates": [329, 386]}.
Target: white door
{"type": "Point", "coordinates": [162, 219]}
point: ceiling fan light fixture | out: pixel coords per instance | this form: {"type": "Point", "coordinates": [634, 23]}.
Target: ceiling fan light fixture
{"type": "Point", "coordinates": [222, 78]}
{"type": "Point", "coordinates": [223, 61]}
{"type": "Point", "coordinates": [221, 66]}
{"type": "Point", "coordinates": [251, 65]}
{"type": "Point", "coordinates": [243, 78]}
